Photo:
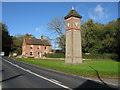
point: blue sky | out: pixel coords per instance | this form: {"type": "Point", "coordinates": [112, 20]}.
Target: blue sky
{"type": "Point", "coordinates": [33, 17]}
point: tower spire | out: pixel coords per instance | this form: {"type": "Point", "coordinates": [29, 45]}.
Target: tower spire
{"type": "Point", "coordinates": [72, 8]}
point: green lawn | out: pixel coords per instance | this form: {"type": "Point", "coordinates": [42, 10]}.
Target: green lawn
{"type": "Point", "coordinates": [106, 68]}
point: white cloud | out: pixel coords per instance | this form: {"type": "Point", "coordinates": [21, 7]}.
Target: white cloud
{"type": "Point", "coordinates": [99, 9]}
{"type": "Point", "coordinates": [98, 13]}
{"type": "Point", "coordinates": [92, 16]}
{"type": "Point", "coordinates": [37, 29]}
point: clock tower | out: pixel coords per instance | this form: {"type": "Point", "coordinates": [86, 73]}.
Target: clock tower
{"type": "Point", "coordinates": [73, 38]}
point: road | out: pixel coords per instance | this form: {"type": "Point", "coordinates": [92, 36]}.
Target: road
{"type": "Point", "coordinates": [17, 74]}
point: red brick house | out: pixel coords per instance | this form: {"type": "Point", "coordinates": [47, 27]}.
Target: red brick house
{"type": "Point", "coordinates": [35, 47]}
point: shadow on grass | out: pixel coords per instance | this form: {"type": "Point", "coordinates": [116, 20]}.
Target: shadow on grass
{"type": "Point", "coordinates": [98, 76]}
{"type": "Point", "coordinates": [89, 84]}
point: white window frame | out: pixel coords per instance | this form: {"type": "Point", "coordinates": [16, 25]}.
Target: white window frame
{"type": "Point", "coordinates": [30, 54]}
{"type": "Point", "coordinates": [39, 47]}
{"type": "Point", "coordinates": [31, 46]}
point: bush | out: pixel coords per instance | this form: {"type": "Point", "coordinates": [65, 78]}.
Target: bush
{"type": "Point", "coordinates": [90, 56]}
{"type": "Point", "coordinates": [115, 57]}
{"type": "Point", "coordinates": [97, 56]}
{"type": "Point", "coordinates": [55, 55]}
{"type": "Point", "coordinates": [30, 57]}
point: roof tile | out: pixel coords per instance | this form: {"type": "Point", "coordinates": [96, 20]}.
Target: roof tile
{"type": "Point", "coordinates": [72, 13]}
{"type": "Point", "coordinates": [33, 41]}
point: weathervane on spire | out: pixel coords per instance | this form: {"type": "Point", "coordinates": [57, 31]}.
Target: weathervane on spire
{"type": "Point", "coordinates": [72, 8]}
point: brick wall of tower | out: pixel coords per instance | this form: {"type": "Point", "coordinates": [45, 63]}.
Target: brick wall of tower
{"type": "Point", "coordinates": [73, 41]}
{"type": "Point", "coordinates": [72, 20]}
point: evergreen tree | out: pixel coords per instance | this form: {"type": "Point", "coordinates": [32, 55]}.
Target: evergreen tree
{"type": "Point", "coordinates": [6, 40]}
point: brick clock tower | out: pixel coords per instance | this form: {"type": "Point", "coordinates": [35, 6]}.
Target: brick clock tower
{"type": "Point", "coordinates": [73, 38]}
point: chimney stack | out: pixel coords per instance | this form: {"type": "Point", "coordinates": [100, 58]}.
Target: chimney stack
{"type": "Point", "coordinates": [42, 37]}
{"type": "Point", "coordinates": [30, 35]}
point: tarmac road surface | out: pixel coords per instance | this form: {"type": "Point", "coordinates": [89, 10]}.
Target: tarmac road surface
{"type": "Point", "coordinates": [17, 74]}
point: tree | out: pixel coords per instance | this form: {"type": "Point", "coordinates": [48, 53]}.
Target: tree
{"type": "Point", "coordinates": [98, 38]}
{"type": "Point", "coordinates": [57, 26]}
{"type": "Point", "coordinates": [90, 32]}
{"type": "Point", "coordinates": [117, 39]}
{"type": "Point", "coordinates": [6, 40]}
{"type": "Point", "coordinates": [109, 37]}
{"type": "Point", "coordinates": [17, 43]}
{"type": "Point", "coordinates": [61, 41]}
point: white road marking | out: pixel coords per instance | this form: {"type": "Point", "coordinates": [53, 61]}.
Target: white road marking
{"type": "Point", "coordinates": [28, 70]}
{"type": "Point", "coordinates": [56, 81]}
{"type": "Point", "coordinates": [53, 81]}
{"type": "Point", "coordinates": [81, 77]}
{"type": "Point", "coordinates": [74, 75]}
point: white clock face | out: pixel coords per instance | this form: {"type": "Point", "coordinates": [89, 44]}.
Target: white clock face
{"type": "Point", "coordinates": [68, 24]}
{"type": "Point", "coordinates": [76, 24]}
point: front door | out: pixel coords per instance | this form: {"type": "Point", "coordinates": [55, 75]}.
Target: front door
{"type": "Point", "coordinates": [39, 54]}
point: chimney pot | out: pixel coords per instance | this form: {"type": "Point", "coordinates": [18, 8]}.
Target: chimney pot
{"type": "Point", "coordinates": [42, 37]}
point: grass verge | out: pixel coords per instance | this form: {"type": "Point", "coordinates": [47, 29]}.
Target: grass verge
{"type": "Point", "coordinates": [106, 68]}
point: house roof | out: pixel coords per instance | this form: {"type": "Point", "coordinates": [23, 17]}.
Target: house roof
{"type": "Point", "coordinates": [33, 41]}
{"type": "Point", "coordinates": [72, 13]}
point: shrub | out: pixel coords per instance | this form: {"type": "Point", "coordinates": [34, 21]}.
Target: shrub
{"type": "Point", "coordinates": [115, 57]}
{"type": "Point", "coordinates": [55, 55]}
{"type": "Point", "coordinates": [96, 56]}
{"type": "Point", "coordinates": [89, 56]}
{"type": "Point", "coordinates": [30, 57]}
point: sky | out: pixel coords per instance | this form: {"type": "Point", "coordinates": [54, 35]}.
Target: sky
{"type": "Point", "coordinates": [33, 17]}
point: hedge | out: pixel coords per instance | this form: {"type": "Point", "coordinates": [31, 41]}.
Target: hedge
{"type": "Point", "coordinates": [90, 56]}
